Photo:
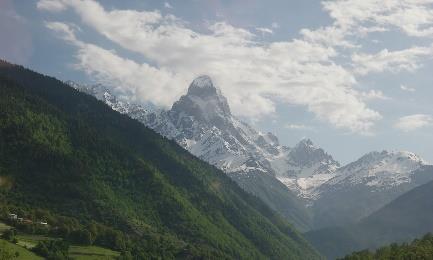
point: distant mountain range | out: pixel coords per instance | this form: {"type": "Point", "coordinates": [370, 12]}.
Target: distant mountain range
{"type": "Point", "coordinates": [316, 192]}
{"type": "Point", "coordinates": [406, 217]}
{"type": "Point", "coordinates": [364, 186]}
{"type": "Point", "coordinates": [403, 219]}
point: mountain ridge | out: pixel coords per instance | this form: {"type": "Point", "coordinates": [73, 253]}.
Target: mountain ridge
{"type": "Point", "coordinates": [202, 123]}
{"type": "Point", "coordinates": [406, 217]}
{"type": "Point", "coordinates": [190, 107]}
{"type": "Point", "coordinates": [67, 153]}
{"type": "Point", "coordinates": [224, 141]}
{"type": "Point", "coordinates": [364, 186]}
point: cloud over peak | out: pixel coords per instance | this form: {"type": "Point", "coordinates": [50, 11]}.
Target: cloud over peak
{"type": "Point", "coordinates": [413, 122]}
{"type": "Point", "coordinates": [254, 75]}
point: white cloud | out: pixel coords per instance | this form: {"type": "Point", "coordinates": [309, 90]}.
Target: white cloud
{"type": "Point", "coordinates": [51, 5]}
{"type": "Point", "coordinates": [411, 17]}
{"type": "Point", "coordinates": [374, 95]}
{"type": "Point", "coordinates": [393, 61]}
{"type": "Point", "coordinates": [264, 30]}
{"type": "Point", "coordinates": [256, 75]}
{"type": "Point", "coordinates": [66, 31]}
{"type": "Point", "coordinates": [407, 88]}
{"type": "Point", "coordinates": [122, 74]}
{"type": "Point", "coordinates": [297, 127]}
{"type": "Point", "coordinates": [253, 75]}
{"type": "Point", "coordinates": [413, 122]}
{"type": "Point", "coordinates": [168, 5]}
{"type": "Point", "coordinates": [328, 36]}
{"type": "Point", "coordinates": [355, 20]}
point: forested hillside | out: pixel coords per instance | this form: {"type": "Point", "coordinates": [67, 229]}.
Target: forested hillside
{"type": "Point", "coordinates": [417, 249]}
{"type": "Point", "coordinates": [67, 156]}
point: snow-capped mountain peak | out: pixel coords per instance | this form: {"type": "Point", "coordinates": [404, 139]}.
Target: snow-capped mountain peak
{"type": "Point", "coordinates": [308, 167]}
{"type": "Point", "coordinates": [203, 102]}
{"type": "Point", "coordinates": [367, 184]}
{"type": "Point", "coordinates": [380, 169]}
{"type": "Point", "coordinates": [305, 153]}
{"type": "Point", "coordinates": [395, 161]}
{"type": "Point", "coordinates": [202, 85]}
{"type": "Point", "coordinates": [306, 142]}
{"type": "Point", "coordinates": [202, 123]}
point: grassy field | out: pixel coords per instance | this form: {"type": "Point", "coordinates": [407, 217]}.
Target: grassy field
{"type": "Point", "coordinates": [26, 242]}
{"type": "Point", "coordinates": [76, 252]}
{"type": "Point", "coordinates": [23, 253]}
{"type": "Point", "coordinates": [30, 241]}
{"type": "Point", "coordinates": [3, 227]}
{"type": "Point", "coordinates": [91, 252]}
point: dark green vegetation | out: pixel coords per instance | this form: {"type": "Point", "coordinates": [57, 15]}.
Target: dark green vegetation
{"type": "Point", "coordinates": [405, 218]}
{"type": "Point", "coordinates": [417, 249]}
{"type": "Point", "coordinates": [91, 253]}
{"type": "Point", "coordinates": [52, 249]}
{"type": "Point", "coordinates": [28, 245]}
{"type": "Point", "coordinates": [9, 251]}
{"type": "Point", "coordinates": [102, 178]}
{"type": "Point", "coordinates": [33, 244]}
{"type": "Point", "coordinates": [277, 196]}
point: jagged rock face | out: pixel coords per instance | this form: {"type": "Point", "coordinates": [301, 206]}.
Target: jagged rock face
{"type": "Point", "coordinates": [305, 154]}
{"type": "Point", "coordinates": [204, 102]}
{"type": "Point", "coordinates": [308, 167]}
{"type": "Point", "coordinates": [201, 122]}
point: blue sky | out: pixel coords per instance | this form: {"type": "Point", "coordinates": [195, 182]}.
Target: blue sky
{"type": "Point", "coordinates": [354, 76]}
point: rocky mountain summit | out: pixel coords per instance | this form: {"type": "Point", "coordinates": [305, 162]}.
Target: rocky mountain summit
{"type": "Point", "coordinates": [201, 122]}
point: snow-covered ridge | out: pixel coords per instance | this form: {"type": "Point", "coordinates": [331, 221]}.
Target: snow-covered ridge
{"type": "Point", "coordinates": [103, 93]}
{"type": "Point", "coordinates": [201, 122]}
{"type": "Point", "coordinates": [376, 170]}
{"type": "Point", "coordinates": [380, 169]}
